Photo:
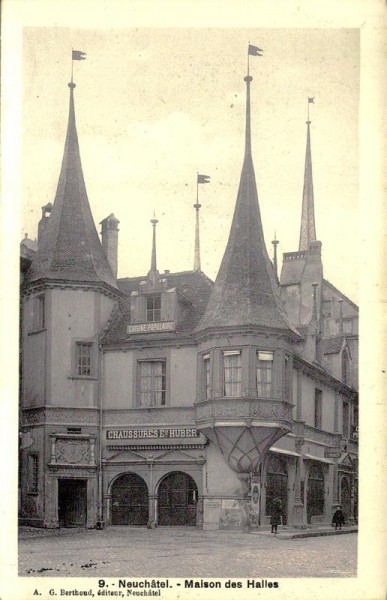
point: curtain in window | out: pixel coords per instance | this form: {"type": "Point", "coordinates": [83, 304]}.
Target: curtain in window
{"type": "Point", "coordinates": [264, 374]}
{"type": "Point", "coordinates": [232, 374]}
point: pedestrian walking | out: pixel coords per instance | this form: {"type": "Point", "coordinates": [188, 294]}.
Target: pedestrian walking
{"type": "Point", "coordinates": [276, 515]}
{"type": "Point", "coordinates": [338, 518]}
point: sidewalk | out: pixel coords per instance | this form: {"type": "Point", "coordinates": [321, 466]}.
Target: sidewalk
{"type": "Point", "coordinates": [286, 533]}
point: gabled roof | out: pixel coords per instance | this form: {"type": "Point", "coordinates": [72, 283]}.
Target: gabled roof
{"type": "Point", "coordinates": [334, 344]}
{"type": "Point", "coordinates": [193, 289]}
{"type": "Point", "coordinates": [71, 249]}
{"type": "Point", "coordinates": [246, 291]}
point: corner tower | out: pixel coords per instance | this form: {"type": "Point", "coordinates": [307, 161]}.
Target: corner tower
{"type": "Point", "coordinates": [244, 394]}
{"type": "Point", "coordinates": [302, 271]}
{"type": "Point", "coordinates": [67, 298]}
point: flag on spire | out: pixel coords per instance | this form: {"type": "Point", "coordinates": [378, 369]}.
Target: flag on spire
{"type": "Point", "coordinates": [311, 100]}
{"type": "Point", "coordinates": [203, 178]}
{"type": "Point", "coordinates": [78, 55]}
{"type": "Point", "coordinates": [254, 50]}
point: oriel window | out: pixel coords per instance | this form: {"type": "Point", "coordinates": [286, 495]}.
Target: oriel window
{"type": "Point", "coordinates": [152, 383]}
{"type": "Point", "coordinates": [232, 373]}
{"type": "Point", "coordinates": [153, 308]}
{"type": "Point", "coordinates": [264, 374]}
{"type": "Point", "coordinates": [83, 359]}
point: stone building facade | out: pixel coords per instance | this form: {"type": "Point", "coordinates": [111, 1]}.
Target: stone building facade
{"type": "Point", "coordinates": [170, 399]}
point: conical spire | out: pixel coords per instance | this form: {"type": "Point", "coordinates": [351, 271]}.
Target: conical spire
{"type": "Point", "coordinates": [245, 291]}
{"type": "Point", "coordinates": [70, 249]}
{"type": "Point", "coordinates": [308, 227]}
{"type": "Point", "coordinates": [153, 268]}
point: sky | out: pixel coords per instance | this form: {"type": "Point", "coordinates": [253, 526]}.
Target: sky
{"type": "Point", "coordinates": [154, 106]}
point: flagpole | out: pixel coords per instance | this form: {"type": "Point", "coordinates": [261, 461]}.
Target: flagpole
{"type": "Point", "coordinates": [197, 187]}
{"type": "Point", "coordinates": [308, 108]}
{"type": "Point", "coordinates": [248, 59]}
{"type": "Point", "coordinates": [72, 65]}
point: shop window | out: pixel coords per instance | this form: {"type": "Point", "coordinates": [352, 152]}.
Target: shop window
{"type": "Point", "coordinates": [232, 373]}
{"type": "Point", "coordinates": [153, 308]}
{"type": "Point", "coordinates": [207, 376]}
{"type": "Point", "coordinates": [32, 476]}
{"type": "Point", "coordinates": [83, 359]}
{"type": "Point", "coordinates": [264, 374]}
{"type": "Point", "coordinates": [317, 408]}
{"type": "Point", "coordinates": [152, 383]}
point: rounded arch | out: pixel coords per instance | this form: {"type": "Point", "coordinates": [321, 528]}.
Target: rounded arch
{"type": "Point", "coordinates": [177, 495]}
{"type": "Point", "coordinates": [129, 500]}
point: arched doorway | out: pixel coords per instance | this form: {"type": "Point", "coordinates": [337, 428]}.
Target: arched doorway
{"type": "Point", "coordinates": [277, 484]}
{"type": "Point", "coordinates": [345, 495]}
{"type": "Point", "coordinates": [129, 500]}
{"type": "Point", "coordinates": [315, 494]}
{"type": "Point", "coordinates": [178, 496]}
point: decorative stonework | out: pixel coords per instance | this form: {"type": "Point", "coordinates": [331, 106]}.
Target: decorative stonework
{"type": "Point", "coordinates": [251, 409]}
{"type": "Point", "coordinates": [69, 450]}
{"type": "Point", "coordinates": [73, 452]}
{"type": "Point", "coordinates": [180, 416]}
{"type": "Point", "coordinates": [55, 415]}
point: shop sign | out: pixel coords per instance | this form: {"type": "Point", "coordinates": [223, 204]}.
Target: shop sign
{"type": "Point", "coordinates": [151, 327]}
{"type": "Point", "coordinates": [152, 434]}
{"type": "Point", "coordinates": [336, 453]}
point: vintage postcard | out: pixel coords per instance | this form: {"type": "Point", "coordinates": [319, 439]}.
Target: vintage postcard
{"type": "Point", "coordinates": [191, 227]}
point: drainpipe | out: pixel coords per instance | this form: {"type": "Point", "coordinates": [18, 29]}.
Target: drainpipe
{"type": "Point", "coordinates": [100, 423]}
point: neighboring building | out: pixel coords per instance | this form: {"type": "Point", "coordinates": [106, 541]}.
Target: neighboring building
{"type": "Point", "coordinates": [167, 398]}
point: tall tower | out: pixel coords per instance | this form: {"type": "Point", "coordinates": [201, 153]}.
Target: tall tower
{"type": "Point", "coordinates": [67, 297]}
{"type": "Point", "coordinates": [244, 394]}
{"type": "Point", "coordinates": [308, 227]}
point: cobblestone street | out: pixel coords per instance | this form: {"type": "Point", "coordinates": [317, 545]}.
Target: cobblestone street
{"type": "Point", "coordinates": [185, 552]}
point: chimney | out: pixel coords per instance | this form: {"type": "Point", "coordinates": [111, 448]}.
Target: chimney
{"type": "Point", "coordinates": [42, 226]}
{"type": "Point", "coordinates": [109, 233]}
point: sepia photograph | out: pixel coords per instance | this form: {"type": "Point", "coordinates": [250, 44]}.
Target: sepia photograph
{"type": "Point", "coordinates": [189, 241]}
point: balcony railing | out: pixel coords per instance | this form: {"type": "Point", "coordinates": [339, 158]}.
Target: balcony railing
{"type": "Point", "coordinates": [243, 410]}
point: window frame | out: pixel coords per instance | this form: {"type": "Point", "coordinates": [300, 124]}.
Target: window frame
{"type": "Point", "coordinates": [206, 376]}
{"type": "Point", "coordinates": [267, 385]}
{"type": "Point", "coordinates": [78, 360]}
{"type": "Point", "coordinates": [153, 376]}
{"type": "Point", "coordinates": [38, 317]}
{"type": "Point", "coordinates": [153, 311]}
{"type": "Point", "coordinates": [230, 370]}
{"type": "Point", "coordinates": [318, 402]}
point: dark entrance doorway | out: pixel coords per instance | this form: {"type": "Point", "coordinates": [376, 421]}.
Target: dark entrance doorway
{"type": "Point", "coordinates": [277, 485]}
{"type": "Point", "coordinates": [315, 493]}
{"type": "Point", "coordinates": [346, 498]}
{"type": "Point", "coordinates": [130, 500]}
{"type": "Point", "coordinates": [72, 502]}
{"type": "Point", "coordinates": [178, 496]}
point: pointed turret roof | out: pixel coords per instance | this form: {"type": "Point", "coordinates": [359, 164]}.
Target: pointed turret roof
{"type": "Point", "coordinates": [245, 291]}
{"type": "Point", "coordinates": [308, 227]}
{"type": "Point", "coordinates": [71, 249]}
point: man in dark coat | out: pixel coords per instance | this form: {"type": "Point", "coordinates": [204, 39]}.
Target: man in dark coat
{"type": "Point", "coordinates": [276, 515]}
{"type": "Point", "coordinates": [338, 518]}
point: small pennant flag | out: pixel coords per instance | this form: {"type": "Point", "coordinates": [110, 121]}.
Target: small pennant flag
{"type": "Point", "coordinates": [311, 100]}
{"type": "Point", "coordinates": [78, 55]}
{"type": "Point", "coordinates": [203, 178]}
{"type": "Point", "coordinates": [255, 51]}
